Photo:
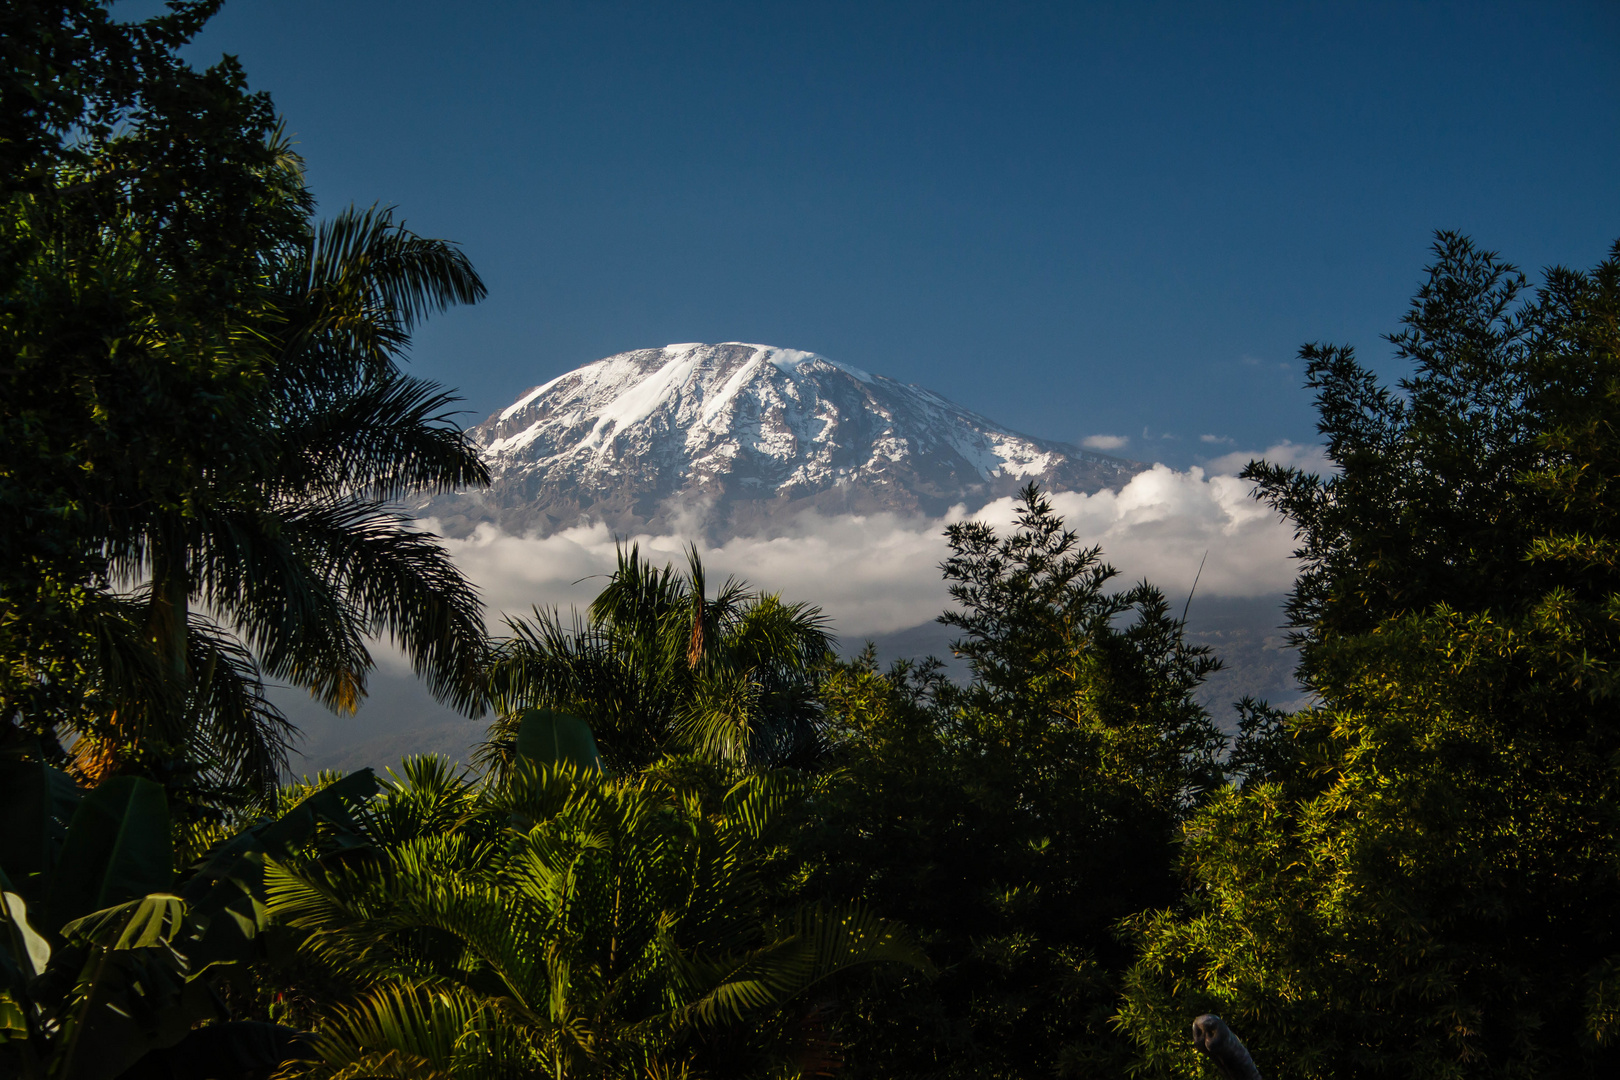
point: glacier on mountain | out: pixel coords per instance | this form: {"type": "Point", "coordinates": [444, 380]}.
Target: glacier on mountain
{"type": "Point", "coordinates": [735, 435]}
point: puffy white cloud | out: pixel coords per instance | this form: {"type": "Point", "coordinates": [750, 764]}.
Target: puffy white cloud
{"type": "Point", "coordinates": [1311, 458]}
{"type": "Point", "coordinates": [871, 573]}
{"type": "Point", "coordinates": [1104, 442]}
{"type": "Point", "coordinates": [880, 572]}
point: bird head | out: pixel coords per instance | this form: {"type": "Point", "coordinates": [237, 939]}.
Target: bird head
{"type": "Point", "coordinates": [1213, 1038]}
{"type": "Point", "coordinates": [1207, 1032]}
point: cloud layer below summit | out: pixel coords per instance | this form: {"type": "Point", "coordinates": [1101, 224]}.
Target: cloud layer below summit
{"type": "Point", "coordinates": [876, 573]}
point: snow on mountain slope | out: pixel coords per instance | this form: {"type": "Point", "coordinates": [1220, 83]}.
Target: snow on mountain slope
{"type": "Point", "coordinates": [723, 439]}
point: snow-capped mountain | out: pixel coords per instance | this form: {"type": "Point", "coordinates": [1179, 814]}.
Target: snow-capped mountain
{"type": "Point", "coordinates": [723, 439]}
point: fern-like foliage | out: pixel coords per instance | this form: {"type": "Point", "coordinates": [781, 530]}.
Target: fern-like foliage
{"type": "Point", "coordinates": [566, 924]}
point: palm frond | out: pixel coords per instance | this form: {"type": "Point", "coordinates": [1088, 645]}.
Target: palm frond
{"type": "Point", "coordinates": [361, 286]}
{"type": "Point", "coordinates": [819, 944]}
{"type": "Point", "coordinates": [132, 690]}
{"type": "Point", "coordinates": [261, 570]}
{"type": "Point", "coordinates": [348, 569]}
{"type": "Point", "coordinates": [382, 438]}
{"type": "Point", "coordinates": [758, 802]}
{"type": "Point", "coordinates": [428, 797]}
{"type": "Point", "coordinates": [401, 1031]}
{"type": "Point", "coordinates": [658, 667]}
{"type": "Point", "coordinates": [366, 919]}
{"type": "Point", "coordinates": [583, 670]}
{"type": "Point", "coordinates": [719, 715]}
{"type": "Point", "coordinates": [243, 736]}
{"type": "Point", "coordinates": [614, 928]}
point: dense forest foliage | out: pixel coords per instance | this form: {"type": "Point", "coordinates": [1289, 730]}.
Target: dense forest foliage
{"type": "Point", "coordinates": [695, 843]}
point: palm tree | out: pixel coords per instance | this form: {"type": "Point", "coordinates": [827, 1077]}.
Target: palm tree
{"type": "Point", "coordinates": [286, 537]}
{"type": "Point", "coordinates": [605, 928]}
{"type": "Point", "coordinates": [658, 666]}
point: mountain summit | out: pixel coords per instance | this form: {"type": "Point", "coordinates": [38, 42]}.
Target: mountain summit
{"type": "Point", "coordinates": [723, 439]}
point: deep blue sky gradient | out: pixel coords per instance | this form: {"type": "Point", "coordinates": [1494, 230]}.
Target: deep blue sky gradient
{"type": "Point", "coordinates": [1074, 218]}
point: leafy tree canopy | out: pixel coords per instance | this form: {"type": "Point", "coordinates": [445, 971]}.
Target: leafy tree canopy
{"type": "Point", "coordinates": [1012, 821]}
{"type": "Point", "coordinates": [1417, 877]}
{"type": "Point", "coordinates": [201, 407]}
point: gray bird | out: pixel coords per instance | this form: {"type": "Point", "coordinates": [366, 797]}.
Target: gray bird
{"type": "Point", "coordinates": [1211, 1036]}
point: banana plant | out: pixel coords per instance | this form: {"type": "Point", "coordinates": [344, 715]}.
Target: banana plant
{"type": "Point", "coordinates": [107, 956]}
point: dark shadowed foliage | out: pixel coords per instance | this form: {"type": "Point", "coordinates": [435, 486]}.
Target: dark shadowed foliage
{"type": "Point", "coordinates": [658, 665]}
{"type": "Point", "coordinates": [1012, 822]}
{"type": "Point", "coordinates": [1417, 877]}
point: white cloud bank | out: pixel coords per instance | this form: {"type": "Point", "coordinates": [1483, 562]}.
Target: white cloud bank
{"type": "Point", "coordinates": [1104, 442]}
{"type": "Point", "coordinates": [880, 572]}
{"type": "Point", "coordinates": [1312, 459]}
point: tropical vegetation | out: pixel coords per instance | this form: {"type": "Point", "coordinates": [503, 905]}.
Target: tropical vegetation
{"type": "Point", "coordinates": [696, 843]}
{"type": "Point", "coordinates": [204, 421]}
{"type": "Point", "coordinates": [658, 666]}
{"type": "Point", "coordinates": [1417, 877]}
{"type": "Point", "coordinates": [566, 923]}
{"type": "Point", "coordinates": [110, 959]}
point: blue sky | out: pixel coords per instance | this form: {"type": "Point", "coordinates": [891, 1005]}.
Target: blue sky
{"type": "Point", "coordinates": [1077, 219]}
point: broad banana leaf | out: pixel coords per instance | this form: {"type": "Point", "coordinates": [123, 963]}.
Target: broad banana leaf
{"type": "Point", "coordinates": [123, 980]}
{"type": "Point", "coordinates": [138, 924]}
{"type": "Point", "coordinates": [36, 804]}
{"type": "Point", "coordinates": [133, 990]}
{"type": "Point", "coordinates": [30, 950]}
{"type": "Point", "coordinates": [117, 848]}
{"type": "Point", "coordinates": [126, 1003]}
{"type": "Point", "coordinates": [225, 894]}
{"type": "Point", "coordinates": [545, 737]}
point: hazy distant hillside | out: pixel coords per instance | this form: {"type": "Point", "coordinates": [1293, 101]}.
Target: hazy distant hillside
{"type": "Point", "coordinates": [400, 718]}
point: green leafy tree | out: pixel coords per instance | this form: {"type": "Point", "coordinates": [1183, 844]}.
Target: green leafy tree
{"type": "Point", "coordinates": [659, 666]}
{"type": "Point", "coordinates": [1012, 822]}
{"type": "Point", "coordinates": [1417, 878]}
{"type": "Point", "coordinates": [140, 198]}
{"type": "Point", "coordinates": [291, 540]}
{"type": "Point", "coordinates": [201, 391]}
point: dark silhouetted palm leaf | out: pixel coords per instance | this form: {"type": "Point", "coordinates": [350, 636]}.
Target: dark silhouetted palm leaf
{"type": "Point", "coordinates": [661, 666]}
{"type": "Point", "coordinates": [287, 536]}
